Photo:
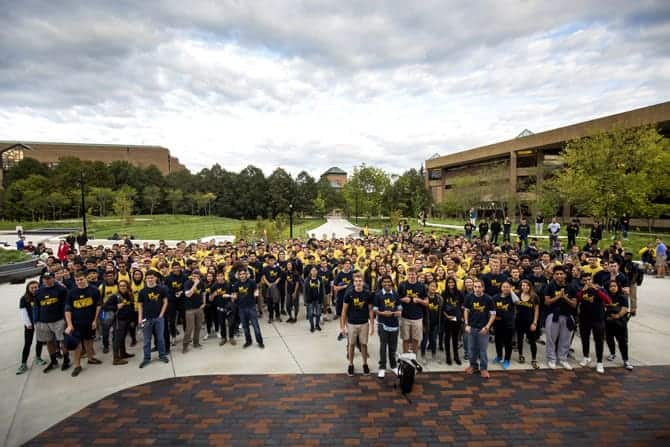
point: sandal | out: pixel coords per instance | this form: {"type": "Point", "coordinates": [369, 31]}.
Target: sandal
{"type": "Point", "coordinates": [535, 365]}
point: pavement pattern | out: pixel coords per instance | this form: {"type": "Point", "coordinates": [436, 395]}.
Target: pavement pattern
{"type": "Point", "coordinates": [514, 408]}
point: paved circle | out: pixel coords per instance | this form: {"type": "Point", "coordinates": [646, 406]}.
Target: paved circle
{"type": "Point", "coordinates": [513, 408]}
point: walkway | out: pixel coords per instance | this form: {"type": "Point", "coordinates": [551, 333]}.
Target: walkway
{"type": "Point", "coordinates": [33, 402]}
{"type": "Point", "coordinates": [338, 226]}
{"type": "Point", "coordinates": [516, 408]}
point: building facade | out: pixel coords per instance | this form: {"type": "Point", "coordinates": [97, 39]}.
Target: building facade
{"type": "Point", "coordinates": [336, 176]}
{"type": "Point", "coordinates": [522, 162]}
{"type": "Point", "coordinates": [11, 152]}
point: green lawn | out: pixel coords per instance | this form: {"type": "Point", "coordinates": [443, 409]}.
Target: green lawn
{"type": "Point", "coordinates": [159, 226]}
{"type": "Point", "coordinates": [9, 256]}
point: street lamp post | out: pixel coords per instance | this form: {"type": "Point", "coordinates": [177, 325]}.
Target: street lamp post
{"type": "Point", "coordinates": [83, 203]}
{"type": "Point", "coordinates": [290, 219]}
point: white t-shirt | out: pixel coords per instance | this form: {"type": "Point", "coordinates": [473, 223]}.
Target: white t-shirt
{"type": "Point", "coordinates": [554, 227]}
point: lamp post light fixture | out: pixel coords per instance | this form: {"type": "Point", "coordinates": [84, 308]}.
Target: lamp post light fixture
{"type": "Point", "coordinates": [83, 203]}
{"type": "Point", "coordinates": [290, 220]}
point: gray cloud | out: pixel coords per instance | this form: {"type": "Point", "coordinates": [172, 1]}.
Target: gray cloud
{"type": "Point", "coordinates": [314, 84]}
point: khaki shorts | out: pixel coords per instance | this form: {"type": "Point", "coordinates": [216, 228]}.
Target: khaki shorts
{"type": "Point", "coordinates": [359, 331]}
{"type": "Point", "coordinates": [49, 331]}
{"type": "Point", "coordinates": [411, 329]}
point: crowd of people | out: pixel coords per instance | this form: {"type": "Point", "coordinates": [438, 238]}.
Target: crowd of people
{"type": "Point", "coordinates": [446, 297]}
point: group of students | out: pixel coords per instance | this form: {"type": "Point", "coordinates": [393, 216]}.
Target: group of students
{"type": "Point", "coordinates": [433, 292]}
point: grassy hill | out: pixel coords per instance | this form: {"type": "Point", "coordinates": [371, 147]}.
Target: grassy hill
{"type": "Point", "coordinates": [159, 226]}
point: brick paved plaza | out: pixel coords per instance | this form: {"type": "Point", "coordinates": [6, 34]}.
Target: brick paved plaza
{"type": "Point", "coordinates": [513, 408]}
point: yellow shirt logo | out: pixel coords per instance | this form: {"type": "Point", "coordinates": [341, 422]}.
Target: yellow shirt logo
{"type": "Point", "coordinates": [477, 307]}
{"type": "Point", "coordinates": [82, 302]}
{"type": "Point", "coordinates": [358, 303]}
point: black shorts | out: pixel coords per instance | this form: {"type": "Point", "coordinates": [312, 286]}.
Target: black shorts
{"type": "Point", "coordinates": [83, 331]}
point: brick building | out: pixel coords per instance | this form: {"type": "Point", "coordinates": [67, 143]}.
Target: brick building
{"type": "Point", "coordinates": [524, 159]}
{"type": "Point", "coordinates": [50, 153]}
{"type": "Point", "coordinates": [336, 176]}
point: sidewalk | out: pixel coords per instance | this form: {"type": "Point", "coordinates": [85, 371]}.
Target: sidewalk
{"type": "Point", "coordinates": [32, 402]}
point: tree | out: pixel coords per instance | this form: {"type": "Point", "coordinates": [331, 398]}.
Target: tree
{"type": "Point", "coordinates": [281, 191]}
{"type": "Point", "coordinates": [252, 193]}
{"type": "Point", "coordinates": [319, 205]}
{"type": "Point", "coordinates": [23, 169]}
{"type": "Point", "coordinates": [102, 197]}
{"type": "Point", "coordinates": [365, 190]}
{"type": "Point", "coordinates": [124, 203]}
{"type": "Point", "coordinates": [174, 198]}
{"type": "Point", "coordinates": [27, 197]}
{"type": "Point", "coordinates": [151, 195]}
{"type": "Point", "coordinates": [57, 201]}
{"type": "Point", "coordinates": [608, 174]}
{"type": "Point", "coordinates": [408, 194]}
{"type": "Point", "coordinates": [332, 197]}
{"type": "Point", "coordinates": [306, 193]}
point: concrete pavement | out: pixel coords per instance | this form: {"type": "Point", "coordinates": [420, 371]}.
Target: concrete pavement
{"type": "Point", "coordinates": [32, 402]}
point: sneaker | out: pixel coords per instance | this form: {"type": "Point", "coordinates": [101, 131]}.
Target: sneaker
{"type": "Point", "coordinates": [205, 337]}
{"type": "Point", "coordinates": [261, 345]}
{"type": "Point", "coordinates": [144, 363]}
{"type": "Point", "coordinates": [76, 371]}
{"type": "Point", "coordinates": [198, 346]}
{"type": "Point", "coordinates": [94, 361]}
{"type": "Point", "coordinates": [218, 335]}
{"type": "Point", "coordinates": [611, 357]}
{"type": "Point", "coordinates": [381, 374]}
{"type": "Point", "coordinates": [586, 361]}
{"type": "Point", "coordinates": [485, 374]}
{"type": "Point", "coordinates": [366, 370]}
{"type": "Point", "coordinates": [233, 342]}
{"type": "Point", "coordinates": [318, 328]}
{"type": "Point", "coordinates": [247, 344]}
{"type": "Point", "coordinates": [22, 368]}
{"type": "Point", "coordinates": [566, 365]}
{"type": "Point", "coordinates": [164, 359]}
{"type": "Point", "coordinates": [50, 366]}
{"type": "Point", "coordinates": [628, 365]}
{"type": "Point", "coordinates": [522, 359]}
{"type": "Point", "coordinates": [551, 364]}
{"type": "Point", "coordinates": [600, 369]}
{"type": "Point", "coordinates": [105, 350]}
{"type": "Point", "coordinates": [222, 342]}
{"type": "Point", "coordinates": [534, 364]}
{"type": "Point", "coordinates": [40, 361]}
{"type": "Point", "coordinates": [469, 370]}
{"type": "Point", "coordinates": [311, 329]}
{"type": "Point", "coordinates": [350, 371]}
{"type": "Point", "coordinates": [340, 336]}
{"type": "Point", "coordinates": [184, 350]}
{"type": "Point", "coordinates": [457, 361]}
{"type": "Point", "coordinates": [505, 364]}
{"type": "Point", "coordinates": [395, 371]}
{"type": "Point", "coordinates": [497, 360]}
{"type": "Point", "coordinates": [119, 361]}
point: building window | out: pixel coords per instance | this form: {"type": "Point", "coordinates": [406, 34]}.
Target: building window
{"type": "Point", "coordinates": [11, 157]}
{"type": "Point", "coordinates": [527, 159]}
{"type": "Point", "coordinates": [525, 183]}
{"type": "Point", "coordinates": [435, 174]}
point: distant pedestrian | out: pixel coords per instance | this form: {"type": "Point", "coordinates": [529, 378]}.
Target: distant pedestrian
{"type": "Point", "coordinates": [661, 258]}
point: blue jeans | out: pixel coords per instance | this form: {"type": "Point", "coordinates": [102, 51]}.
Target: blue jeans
{"type": "Point", "coordinates": [154, 326]}
{"type": "Point", "coordinates": [477, 348]}
{"type": "Point", "coordinates": [314, 313]}
{"type": "Point", "coordinates": [248, 316]}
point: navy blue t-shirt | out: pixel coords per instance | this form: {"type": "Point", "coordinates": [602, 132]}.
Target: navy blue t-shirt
{"type": "Point", "coordinates": [50, 303]}
{"type": "Point", "coordinates": [245, 293]}
{"type": "Point", "coordinates": [480, 309]}
{"type": "Point", "coordinates": [195, 300]}
{"type": "Point", "coordinates": [358, 311]}
{"type": "Point", "coordinates": [152, 301]}
{"type": "Point", "coordinates": [412, 310]}
{"type": "Point", "coordinates": [384, 302]}
{"type": "Point", "coordinates": [82, 303]}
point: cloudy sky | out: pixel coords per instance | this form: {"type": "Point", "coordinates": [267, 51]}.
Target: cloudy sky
{"type": "Point", "coordinates": [309, 85]}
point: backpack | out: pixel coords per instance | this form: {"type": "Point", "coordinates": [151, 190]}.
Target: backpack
{"type": "Point", "coordinates": [406, 373]}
